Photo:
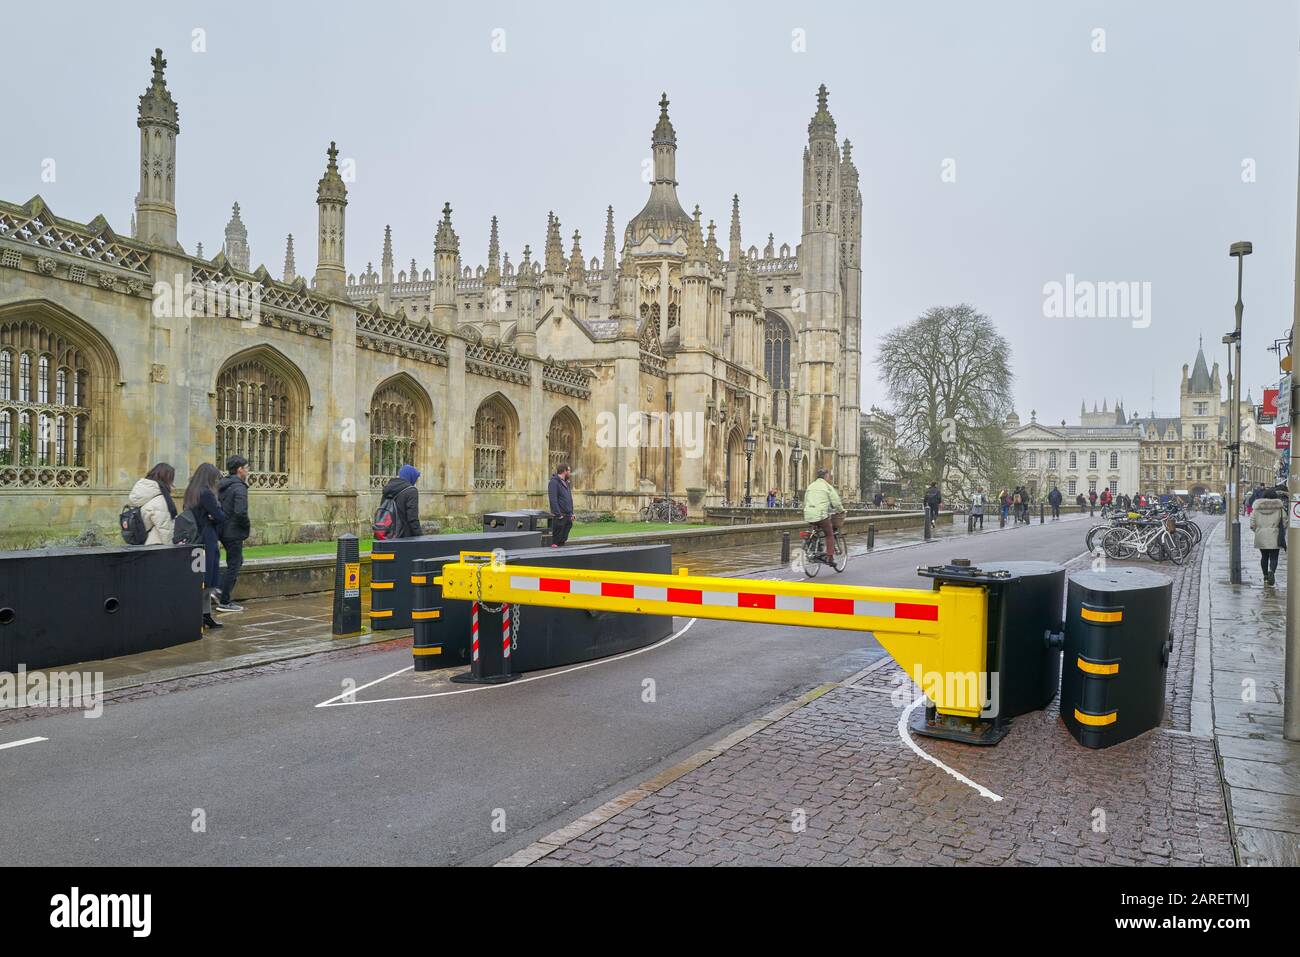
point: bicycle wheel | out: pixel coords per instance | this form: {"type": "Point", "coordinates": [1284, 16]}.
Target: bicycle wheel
{"type": "Point", "coordinates": [1178, 545]}
{"type": "Point", "coordinates": [841, 556]}
{"type": "Point", "coordinates": [1118, 544]}
{"type": "Point", "coordinates": [645, 513]}
{"type": "Point", "coordinates": [1193, 529]}
{"type": "Point", "coordinates": [1094, 536]}
{"type": "Point", "coordinates": [812, 549]}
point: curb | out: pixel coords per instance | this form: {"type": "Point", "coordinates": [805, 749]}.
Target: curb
{"type": "Point", "coordinates": [556, 839]}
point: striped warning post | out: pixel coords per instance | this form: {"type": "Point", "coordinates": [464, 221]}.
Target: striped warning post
{"type": "Point", "coordinates": [505, 633]}
{"type": "Point", "coordinates": [473, 631]}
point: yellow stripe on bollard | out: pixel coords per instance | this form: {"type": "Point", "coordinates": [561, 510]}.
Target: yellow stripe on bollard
{"type": "Point", "coordinates": [381, 586]}
{"type": "Point", "coordinates": [382, 556]}
{"type": "Point", "coordinates": [419, 579]}
{"type": "Point", "coordinates": [426, 615]}
{"type": "Point", "coordinates": [427, 651]}
{"type": "Point", "coordinates": [1095, 720]}
{"type": "Point", "coordinates": [1092, 614]}
{"type": "Point", "coordinates": [381, 614]}
{"type": "Point", "coordinates": [1097, 667]}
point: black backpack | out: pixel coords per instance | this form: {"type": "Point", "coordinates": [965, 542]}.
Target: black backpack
{"type": "Point", "coordinates": [384, 527]}
{"type": "Point", "coordinates": [186, 529]}
{"type": "Point", "coordinates": [131, 522]}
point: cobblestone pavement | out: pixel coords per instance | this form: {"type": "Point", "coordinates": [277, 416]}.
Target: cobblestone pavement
{"type": "Point", "coordinates": [833, 782]}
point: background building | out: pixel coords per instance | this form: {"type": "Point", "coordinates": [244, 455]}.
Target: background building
{"type": "Point", "coordinates": [118, 351]}
{"type": "Point", "coordinates": [1101, 452]}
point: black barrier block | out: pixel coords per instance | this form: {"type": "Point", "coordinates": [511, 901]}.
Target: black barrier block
{"type": "Point", "coordinates": [549, 637]}
{"type": "Point", "coordinates": [507, 522]}
{"type": "Point", "coordinates": [390, 564]}
{"type": "Point", "coordinates": [1116, 654]}
{"type": "Point", "coordinates": [69, 605]}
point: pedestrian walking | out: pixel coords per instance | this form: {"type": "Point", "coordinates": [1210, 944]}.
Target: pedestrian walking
{"type": "Point", "coordinates": [233, 494]}
{"type": "Point", "coordinates": [933, 499]}
{"type": "Point", "coordinates": [1004, 501]}
{"type": "Point", "coordinates": [771, 498]}
{"type": "Point", "coordinates": [1267, 521]}
{"type": "Point", "coordinates": [398, 515]}
{"type": "Point", "coordinates": [878, 500]}
{"type": "Point", "coordinates": [152, 496]}
{"type": "Point", "coordinates": [560, 496]}
{"type": "Point", "coordinates": [204, 506]}
{"type": "Point", "coordinates": [977, 507]}
{"type": "Point", "coordinates": [1092, 498]}
{"type": "Point", "coordinates": [1054, 499]}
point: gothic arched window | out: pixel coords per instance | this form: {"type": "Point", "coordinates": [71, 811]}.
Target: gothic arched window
{"type": "Point", "coordinates": [44, 429]}
{"type": "Point", "coordinates": [562, 439]}
{"type": "Point", "coordinates": [492, 433]}
{"type": "Point", "coordinates": [254, 419]}
{"type": "Point", "coordinates": [394, 431]}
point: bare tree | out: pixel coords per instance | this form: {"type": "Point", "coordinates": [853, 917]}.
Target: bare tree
{"type": "Point", "coordinates": [949, 375]}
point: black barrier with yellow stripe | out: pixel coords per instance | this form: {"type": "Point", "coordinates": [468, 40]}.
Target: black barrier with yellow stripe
{"type": "Point", "coordinates": [1117, 644]}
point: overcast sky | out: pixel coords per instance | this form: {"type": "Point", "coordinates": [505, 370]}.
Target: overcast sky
{"type": "Point", "coordinates": [1122, 165]}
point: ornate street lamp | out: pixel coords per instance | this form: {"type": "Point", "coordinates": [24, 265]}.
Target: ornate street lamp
{"type": "Point", "coordinates": [796, 456]}
{"type": "Point", "coordinates": [751, 440]}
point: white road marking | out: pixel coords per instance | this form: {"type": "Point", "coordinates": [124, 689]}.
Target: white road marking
{"type": "Point", "coordinates": [335, 703]}
{"type": "Point", "coordinates": [19, 744]}
{"type": "Point", "coordinates": [907, 739]}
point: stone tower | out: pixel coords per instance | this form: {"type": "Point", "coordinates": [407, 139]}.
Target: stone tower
{"type": "Point", "coordinates": [819, 258]}
{"type": "Point", "coordinates": [331, 203]}
{"type": "Point", "coordinates": [159, 123]}
{"type": "Point", "coordinates": [446, 251]}
{"type": "Point", "coordinates": [236, 248]}
{"type": "Point", "coordinates": [851, 301]}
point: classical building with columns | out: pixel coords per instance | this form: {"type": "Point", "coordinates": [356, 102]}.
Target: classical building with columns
{"type": "Point", "coordinates": [646, 369]}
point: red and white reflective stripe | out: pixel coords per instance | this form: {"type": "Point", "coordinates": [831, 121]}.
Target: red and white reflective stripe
{"type": "Point", "coordinates": [505, 632]}
{"type": "Point", "coordinates": [473, 630]}
{"type": "Point", "coordinates": [731, 599]}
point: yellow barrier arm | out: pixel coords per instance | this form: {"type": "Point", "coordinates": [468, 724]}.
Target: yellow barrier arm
{"type": "Point", "coordinates": [940, 632]}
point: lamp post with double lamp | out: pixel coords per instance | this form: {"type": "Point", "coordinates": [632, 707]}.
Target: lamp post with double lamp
{"type": "Point", "coordinates": [1239, 251]}
{"type": "Point", "coordinates": [751, 440]}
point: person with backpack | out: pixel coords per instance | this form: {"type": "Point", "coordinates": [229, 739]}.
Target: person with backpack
{"type": "Point", "coordinates": [150, 515]}
{"type": "Point", "coordinates": [205, 519]}
{"type": "Point", "coordinates": [1054, 499]}
{"type": "Point", "coordinates": [560, 497]}
{"type": "Point", "coordinates": [398, 515]}
{"type": "Point", "coordinates": [233, 493]}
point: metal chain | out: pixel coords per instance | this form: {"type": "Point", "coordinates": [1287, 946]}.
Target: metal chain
{"type": "Point", "coordinates": [478, 591]}
{"type": "Point", "coordinates": [514, 627]}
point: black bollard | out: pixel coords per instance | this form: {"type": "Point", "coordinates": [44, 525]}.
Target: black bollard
{"type": "Point", "coordinates": [785, 548]}
{"type": "Point", "coordinates": [347, 587]}
{"type": "Point", "coordinates": [426, 615]}
{"type": "Point", "coordinates": [1092, 509]}
{"type": "Point", "coordinates": [871, 537]}
{"type": "Point", "coordinates": [1041, 519]}
{"type": "Point", "coordinates": [929, 532]}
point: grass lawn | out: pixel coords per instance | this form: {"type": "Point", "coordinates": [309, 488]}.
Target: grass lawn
{"type": "Point", "coordinates": [580, 530]}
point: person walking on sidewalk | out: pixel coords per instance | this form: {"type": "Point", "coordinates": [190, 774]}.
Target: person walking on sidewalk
{"type": "Point", "coordinates": [202, 502]}
{"type": "Point", "coordinates": [933, 499]}
{"type": "Point", "coordinates": [560, 494]}
{"type": "Point", "coordinates": [233, 493]}
{"type": "Point", "coordinates": [977, 507]}
{"type": "Point", "coordinates": [152, 495]}
{"type": "Point", "coordinates": [1054, 499]}
{"type": "Point", "coordinates": [406, 503]}
{"type": "Point", "coordinates": [1267, 520]}
{"type": "Point", "coordinates": [1004, 503]}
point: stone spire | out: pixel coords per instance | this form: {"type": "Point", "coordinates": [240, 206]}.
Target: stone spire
{"type": "Point", "coordinates": [386, 271]}
{"type": "Point", "coordinates": [331, 203]}
{"type": "Point", "coordinates": [695, 251]}
{"type": "Point", "coordinates": [577, 269]}
{"type": "Point", "coordinates": [198, 250]}
{"type": "Point", "coordinates": [386, 259]}
{"type": "Point", "coordinates": [159, 123]}
{"type": "Point", "coordinates": [769, 251]}
{"type": "Point", "coordinates": [554, 246]}
{"type": "Point", "coordinates": [526, 278]}
{"type": "Point", "coordinates": [662, 214]}
{"type": "Point", "coordinates": [822, 123]}
{"type": "Point", "coordinates": [734, 252]}
{"type": "Point", "coordinates": [236, 248]}
{"type": "Point", "coordinates": [711, 244]}
{"type": "Point", "coordinates": [290, 269]}
{"type": "Point", "coordinates": [611, 251]}
{"type": "Point", "coordinates": [446, 251]}
{"type": "Point", "coordinates": [492, 277]}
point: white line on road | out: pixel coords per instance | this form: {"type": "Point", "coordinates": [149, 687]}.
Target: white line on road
{"type": "Point", "coordinates": [19, 744]}
{"type": "Point", "coordinates": [907, 739]}
{"type": "Point", "coordinates": [335, 703]}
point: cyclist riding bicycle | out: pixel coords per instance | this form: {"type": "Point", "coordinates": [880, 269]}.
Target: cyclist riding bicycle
{"type": "Point", "coordinates": [822, 507]}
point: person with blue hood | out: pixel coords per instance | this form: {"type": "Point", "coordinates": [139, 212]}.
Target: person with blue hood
{"type": "Point", "coordinates": [406, 502]}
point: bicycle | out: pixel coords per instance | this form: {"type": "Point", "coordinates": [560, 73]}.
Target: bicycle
{"type": "Point", "coordinates": [812, 551]}
{"type": "Point", "coordinates": [663, 510]}
{"type": "Point", "coordinates": [1160, 540]}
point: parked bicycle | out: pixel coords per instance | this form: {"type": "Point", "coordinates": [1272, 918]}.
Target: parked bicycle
{"type": "Point", "coordinates": [1159, 532]}
{"type": "Point", "coordinates": [664, 510]}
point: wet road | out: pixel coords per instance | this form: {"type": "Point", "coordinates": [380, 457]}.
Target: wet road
{"type": "Point", "coordinates": [247, 770]}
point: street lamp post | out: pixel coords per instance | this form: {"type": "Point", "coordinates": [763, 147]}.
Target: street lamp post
{"type": "Point", "coordinates": [1239, 251]}
{"type": "Point", "coordinates": [796, 456]}
{"type": "Point", "coordinates": [751, 440]}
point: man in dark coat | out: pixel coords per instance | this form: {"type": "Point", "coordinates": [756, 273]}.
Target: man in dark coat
{"type": "Point", "coordinates": [561, 501]}
{"type": "Point", "coordinates": [233, 494]}
{"type": "Point", "coordinates": [406, 502]}
{"type": "Point", "coordinates": [1054, 499]}
{"type": "Point", "coordinates": [933, 499]}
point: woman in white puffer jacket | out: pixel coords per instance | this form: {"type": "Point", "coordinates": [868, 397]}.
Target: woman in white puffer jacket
{"type": "Point", "coordinates": [152, 495]}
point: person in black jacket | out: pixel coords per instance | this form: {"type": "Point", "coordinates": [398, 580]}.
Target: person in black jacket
{"type": "Point", "coordinates": [406, 501]}
{"type": "Point", "coordinates": [201, 499]}
{"type": "Point", "coordinates": [933, 499]}
{"type": "Point", "coordinates": [233, 493]}
{"type": "Point", "coordinates": [1054, 499]}
{"type": "Point", "coordinates": [561, 500]}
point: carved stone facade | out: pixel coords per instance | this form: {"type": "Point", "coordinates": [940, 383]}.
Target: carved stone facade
{"type": "Point", "coordinates": [120, 351]}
